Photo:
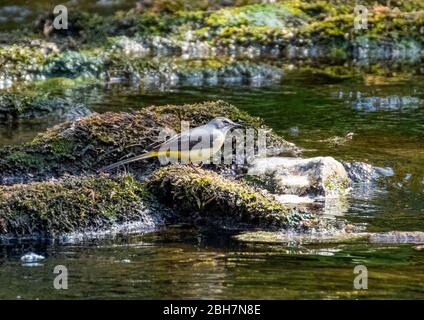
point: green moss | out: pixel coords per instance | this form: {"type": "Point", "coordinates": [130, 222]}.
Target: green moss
{"type": "Point", "coordinates": [206, 195]}
{"type": "Point", "coordinates": [29, 103]}
{"type": "Point", "coordinates": [256, 24]}
{"type": "Point", "coordinates": [200, 113]}
{"type": "Point", "coordinates": [338, 185]}
{"type": "Point", "coordinates": [258, 15]}
{"type": "Point", "coordinates": [62, 146]}
{"type": "Point", "coordinates": [52, 208]}
{"type": "Point", "coordinates": [61, 85]}
{"type": "Point", "coordinates": [121, 65]}
{"type": "Point", "coordinates": [327, 24]}
{"type": "Point", "coordinates": [74, 64]}
{"type": "Point", "coordinates": [278, 238]}
{"type": "Point", "coordinates": [202, 64]}
{"type": "Point", "coordinates": [20, 62]}
{"type": "Point", "coordinates": [92, 142]}
{"type": "Point", "coordinates": [153, 24]}
{"type": "Point", "coordinates": [29, 160]}
{"type": "Point", "coordinates": [331, 29]}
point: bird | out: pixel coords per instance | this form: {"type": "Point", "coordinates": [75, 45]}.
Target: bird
{"type": "Point", "coordinates": [194, 145]}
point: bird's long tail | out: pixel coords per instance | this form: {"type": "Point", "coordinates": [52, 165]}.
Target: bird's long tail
{"type": "Point", "coordinates": [126, 161]}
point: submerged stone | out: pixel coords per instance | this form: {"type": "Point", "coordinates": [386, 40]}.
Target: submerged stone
{"type": "Point", "coordinates": [293, 238]}
{"type": "Point", "coordinates": [415, 237]}
{"type": "Point", "coordinates": [364, 173]}
{"type": "Point", "coordinates": [388, 103]}
{"type": "Point", "coordinates": [332, 236]}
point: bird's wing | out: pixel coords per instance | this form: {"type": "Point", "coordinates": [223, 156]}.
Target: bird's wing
{"type": "Point", "coordinates": [200, 137]}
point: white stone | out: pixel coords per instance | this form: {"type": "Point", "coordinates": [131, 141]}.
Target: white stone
{"type": "Point", "coordinates": [313, 177]}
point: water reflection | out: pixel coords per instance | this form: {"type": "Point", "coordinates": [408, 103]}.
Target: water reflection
{"type": "Point", "coordinates": [182, 262]}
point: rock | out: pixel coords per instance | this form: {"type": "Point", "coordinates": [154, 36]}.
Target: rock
{"type": "Point", "coordinates": [337, 140]}
{"type": "Point", "coordinates": [397, 237]}
{"type": "Point", "coordinates": [32, 257]}
{"type": "Point", "coordinates": [293, 199]}
{"type": "Point", "coordinates": [52, 208]}
{"type": "Point", "coordinates": [71, 207]}
{"type": "Point", "coordinates": [89, 143]}
{"type": "Point", "coordinates": [322, 177]}
{"type": "Point", "coordinates": [293, 238]}
{"type": "Point", "coordinates": [137, 44]}
{"type": "Point", "coordinates": [364, 173]}
{"type": "Point", "coordinates": [388, 103]}
{"type": "Point", "coordinates": [202, 195]}
{"type": "Point", "coordinates": [74, 64]}
{"type": "Point", "coordinates": [334, 236]}
{"type": "Point", "coordinates": [77, 112]}
{"type": "Point", "coordinates": [20, 63]}
{"type": "Point", "coordinates": [30, 104]}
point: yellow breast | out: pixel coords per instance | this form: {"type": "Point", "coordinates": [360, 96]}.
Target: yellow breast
{"type": "Point", "coordinates": [201, 152]}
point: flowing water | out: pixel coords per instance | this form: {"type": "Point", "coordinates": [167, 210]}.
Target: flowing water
{"type": "Point", "coordinates": [180, 261]}
{"type": "Point", "coordinates": [386, 116]}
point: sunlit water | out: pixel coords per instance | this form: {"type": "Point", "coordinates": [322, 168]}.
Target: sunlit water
{"type": "Point", "coordinates": [184, 262]}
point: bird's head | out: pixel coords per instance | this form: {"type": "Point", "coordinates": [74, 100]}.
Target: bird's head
{"type": "Point", "coordinates": [223, 123]}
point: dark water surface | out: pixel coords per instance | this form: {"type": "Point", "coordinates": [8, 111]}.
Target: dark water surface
{"type": "Point", "coordinates": [387, 119]}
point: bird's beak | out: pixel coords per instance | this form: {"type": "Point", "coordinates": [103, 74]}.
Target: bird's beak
{"type": "Point", "coordinates": [238, 125]}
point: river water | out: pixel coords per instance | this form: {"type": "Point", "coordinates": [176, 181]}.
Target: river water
{"type": "Point", "coordinates": [386, 115]}
{"type": "Point", "coordinates": [180, 261]}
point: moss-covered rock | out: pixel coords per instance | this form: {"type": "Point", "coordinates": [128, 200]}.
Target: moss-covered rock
{"type": "Point", "coordinates": [95, 203]}
{"type": "Point", "coordinates": [20, 62]}
{"type": "Point", "coordinates": [337, 236]}
{"type": "Point", "coordinates": [74, 64]}
{"type": "Point", "coordinates": [92, 142]}
{"type": "Point", "coordinates": [30, 104]}
{"type": "Point", "coordinates": [82, 25]}
{"type": "Point", "coordinates": [261, 24]}
{"type": "Point", "coordinates": [122, 44]}
{"type": "Point", "coordinates": [55, 207]}
{"type": "Point", "coordinates": [205, 195]}
{"type": "Point", "coordinates": [279, 238]}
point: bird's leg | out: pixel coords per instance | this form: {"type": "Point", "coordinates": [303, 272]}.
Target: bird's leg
{"type": "Point", "coordinates": [194, 167]}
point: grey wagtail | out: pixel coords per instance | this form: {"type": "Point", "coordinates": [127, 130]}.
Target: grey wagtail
{"type": "Point", "coordinates": [194, 145]}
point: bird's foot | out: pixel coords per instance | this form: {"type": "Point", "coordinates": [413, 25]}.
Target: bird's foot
{"type": "Point", "coordinates": [194, 167]}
